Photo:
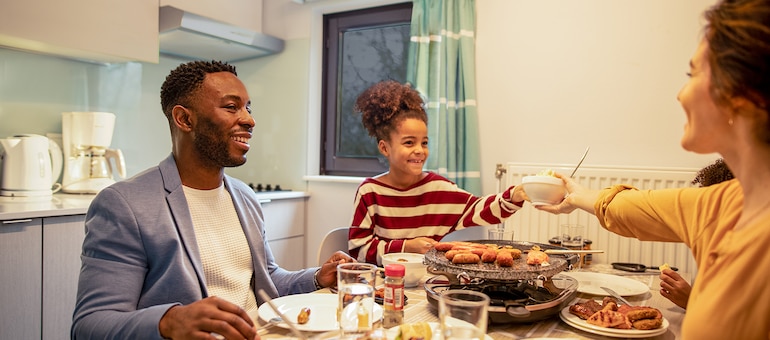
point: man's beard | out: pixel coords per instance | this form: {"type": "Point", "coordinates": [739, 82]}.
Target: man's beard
{"type": "Point", "coordinates": [213, 145]}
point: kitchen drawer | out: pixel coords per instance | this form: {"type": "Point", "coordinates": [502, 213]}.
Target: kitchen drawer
{"type": "Point", "coordinates": [289, 253]}
{"type": "Point", "coordinates": [284, 218]}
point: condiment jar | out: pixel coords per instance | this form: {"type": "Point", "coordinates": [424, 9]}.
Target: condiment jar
{"type": "Point", "coordinates": [587, 258]}
{"type": "Point", "coordinates": [393, 296]}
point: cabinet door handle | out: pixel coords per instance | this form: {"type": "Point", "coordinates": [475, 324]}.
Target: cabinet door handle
{"type": "Point", "coordinates": [265, 200]}
{"type": "Point", "coordinates": [18, 221]}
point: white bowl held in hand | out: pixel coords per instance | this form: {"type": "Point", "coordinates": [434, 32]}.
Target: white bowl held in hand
{"type": "Point", "coordinates": [544, 190]}
{"type": "Point", "coordinates": [412, 262]}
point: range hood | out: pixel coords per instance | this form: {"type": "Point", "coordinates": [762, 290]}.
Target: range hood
{"type": "Point", "coordinates": [187, 35]}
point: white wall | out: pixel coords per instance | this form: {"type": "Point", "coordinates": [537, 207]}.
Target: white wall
{"type": "Point", "coordinates": [553, 77]}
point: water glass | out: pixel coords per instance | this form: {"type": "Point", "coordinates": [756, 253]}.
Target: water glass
{"type": "Point", "coordinates": [355, 284]}
{"type": "Point", "coordinates": [572, 236]}
{"type": "Point", "coordinates": [500, 235]}
{"type": "Point", "coordinates": [463, 314]}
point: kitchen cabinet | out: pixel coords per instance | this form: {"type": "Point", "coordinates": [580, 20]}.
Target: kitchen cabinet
{"type": "Point", "coordinates": [21, 259]}
{"type": "Point", "coordinates": [40, 259]}
{"type": "Point", "coordinates": [96, 30]}
{"type": "Point", "coordinates": [285, 230]}
{"type": "Point", "coordinates": [62, 244]}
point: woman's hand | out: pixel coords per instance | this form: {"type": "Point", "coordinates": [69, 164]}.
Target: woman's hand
{"type": "Point", "coordinates": [674, 287]}
{"type": "Point", "coordinates": [419, 245]}
{"type": "Point", "coordinates": [578, 197]}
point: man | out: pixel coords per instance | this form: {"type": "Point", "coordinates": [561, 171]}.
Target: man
{"type": "Point", "coordinates": [179, 250]}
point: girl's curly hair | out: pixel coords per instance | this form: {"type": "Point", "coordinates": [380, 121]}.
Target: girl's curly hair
{"type": "Point", "coordinates": [713, 173]}
{"type": "Point", "coordinates": [385, 104]}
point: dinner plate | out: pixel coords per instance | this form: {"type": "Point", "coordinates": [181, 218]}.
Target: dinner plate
{"type": "Point", "coordinates": [392, 332]}
{"type": "Point", "coordinates": [574, 321]}
{"type": "Point", "coordinates": [323, 311]}
{"type": "Point", "coordinates": [591, 283]}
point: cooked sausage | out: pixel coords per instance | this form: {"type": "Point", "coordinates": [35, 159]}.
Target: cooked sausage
{"type": "Point", "coordinates": [444, 246]}
{"type": "Point", "coordinates": [645, 313]}
{"type": "Point", "coordinates": [450, 254]}
{"type": "Point", "coordinates": [504, 259]}
{"type": "Point", "coordinates": [304, 316]}
{"type": "Point", "coordinates": [488, 256]}
{"type": "Point", "coordinates": [645, 324]}
{"type": "Point", "coordinates": [465, 258]}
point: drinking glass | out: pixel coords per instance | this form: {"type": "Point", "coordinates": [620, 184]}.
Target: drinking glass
{"type": "Point", "coordinates": [500, 235]}
{"type": "Point", "coordinates": [355, 284]}
{"type": "Point", "coordinates": [572, 238]}
{"type": "Point", "coordinates": [463, 314]}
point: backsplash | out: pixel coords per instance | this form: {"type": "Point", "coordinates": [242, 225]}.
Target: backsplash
{"type": "Point", "coordinates": [35, 89]}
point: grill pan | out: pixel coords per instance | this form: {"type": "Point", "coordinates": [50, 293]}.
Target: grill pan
{"type": "Point", "coordinates": [438, 263]}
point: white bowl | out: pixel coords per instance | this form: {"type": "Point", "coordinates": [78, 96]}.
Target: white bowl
{"type": "Point", "coordinates": [412, 262]}
{"type": "Point", "coordinates": [544, 190]}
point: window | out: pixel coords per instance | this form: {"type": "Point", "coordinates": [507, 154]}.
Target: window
{"type": "Point", "coordinates": [361, 48]}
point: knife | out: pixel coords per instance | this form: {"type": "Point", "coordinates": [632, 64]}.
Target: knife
{"type": "Point", "coordinates": [616, 295]}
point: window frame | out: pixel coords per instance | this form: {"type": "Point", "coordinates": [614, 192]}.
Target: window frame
{"type": "Point", "coordinates": [334, 24]}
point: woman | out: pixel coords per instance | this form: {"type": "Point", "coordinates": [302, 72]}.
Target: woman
{"type": "Point", "coordinates": [407, 209]}
{"type": "Point", "coordinates": [727, 225]}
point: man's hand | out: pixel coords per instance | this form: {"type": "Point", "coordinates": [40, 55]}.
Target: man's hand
{"type": "Point", "coordinates": [200, 319]}
{"type": "Point", "coordinates": [327, 277]}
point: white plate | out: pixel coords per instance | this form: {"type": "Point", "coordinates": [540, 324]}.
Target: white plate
{"type": "Point", "coordinates": [574, 321]}
{"type": "Point", "coordinates": [591, 283]}
{"type": "Point", "coordinates": [323, 311]}
{"type": "Point", "coordinates": [392, 332]}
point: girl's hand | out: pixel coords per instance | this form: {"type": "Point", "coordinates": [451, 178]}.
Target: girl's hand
{"type": "Point", "coordinates": [419, 245]}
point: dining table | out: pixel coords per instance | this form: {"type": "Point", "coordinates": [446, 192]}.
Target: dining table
{"type": "Point", "coordinates": [419, 309]}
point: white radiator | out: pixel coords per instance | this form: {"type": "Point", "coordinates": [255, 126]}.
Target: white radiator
{"type": "Point", "coordinates": [530, 224]}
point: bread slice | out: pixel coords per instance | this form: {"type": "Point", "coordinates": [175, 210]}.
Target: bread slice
{"type": "Point", "coordinates": [415, 331]}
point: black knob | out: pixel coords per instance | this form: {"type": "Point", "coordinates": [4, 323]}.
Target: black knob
{"type": "Point", "coordinates": [268, 187]}
{"type": "Point", "coordinates": [259, 187]}
{"type": "Point", "coordinates": [277, 187]}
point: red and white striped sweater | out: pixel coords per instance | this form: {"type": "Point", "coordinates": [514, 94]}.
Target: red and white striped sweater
{"type": "Point", "coordinates": [385, 216]}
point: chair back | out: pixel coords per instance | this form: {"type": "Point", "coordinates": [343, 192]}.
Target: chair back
{"type": "Point", "coordinates": [335, 240]}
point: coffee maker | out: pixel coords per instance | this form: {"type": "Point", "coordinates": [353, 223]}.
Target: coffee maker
{"type": "Point", "coordinates": [86, 138]}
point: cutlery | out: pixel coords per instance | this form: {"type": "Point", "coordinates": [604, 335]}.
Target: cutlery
{"type": "Point", "coordinates": [571, 251]}
{"type": "Point", "coordinates": [581, 162]}
{"type": "Point", "coordinates": [636, 267]}
{"type": "Point", "coordinates": [616, 295]}
{"type": "Point", "coordinates": [269, 301]}
{"type": "Point", "coordinates": [270, 323]}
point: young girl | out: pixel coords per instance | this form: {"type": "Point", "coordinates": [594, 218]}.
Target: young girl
{"type": "Point", "coordinates": [407, 209]}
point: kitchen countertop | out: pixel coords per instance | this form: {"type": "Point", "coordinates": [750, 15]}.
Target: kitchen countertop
{"type": "Point", "coordinates": [15, 208]}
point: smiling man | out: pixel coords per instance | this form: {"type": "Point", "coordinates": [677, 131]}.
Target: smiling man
{"type": "Point", "coordinates": [179, 250]}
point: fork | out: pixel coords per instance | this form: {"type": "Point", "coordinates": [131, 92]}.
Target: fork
{"type": "Point", "coordinates": [270, 323]}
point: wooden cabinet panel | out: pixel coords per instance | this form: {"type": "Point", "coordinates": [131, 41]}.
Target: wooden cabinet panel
{"type": "Point", "coordinates": [62, 244]}
{"type": "Point", "coordinates": [20, 283]}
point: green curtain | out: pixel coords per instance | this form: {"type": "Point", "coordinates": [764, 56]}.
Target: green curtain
{"type": "Point", "coordinates": [441, 65]}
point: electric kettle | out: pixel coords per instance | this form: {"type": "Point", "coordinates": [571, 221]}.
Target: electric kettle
{"type": "Point", "coordinates": [31, 166]}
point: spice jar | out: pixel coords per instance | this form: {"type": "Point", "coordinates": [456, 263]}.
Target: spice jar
{"type": "Point", "coordinates": [587, 258]}
{"type": "Point", "coordinates": [393, 299]}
